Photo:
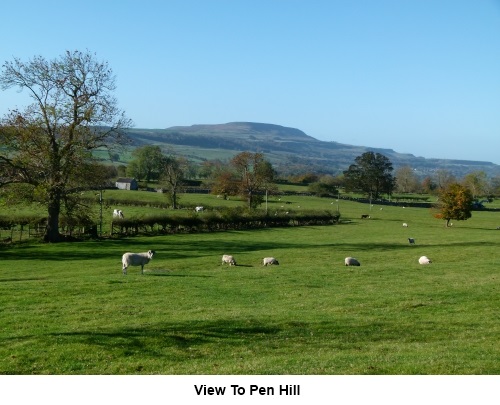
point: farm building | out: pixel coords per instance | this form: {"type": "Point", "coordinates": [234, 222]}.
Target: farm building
{"type": "Point", "coordinates": [125, 183]}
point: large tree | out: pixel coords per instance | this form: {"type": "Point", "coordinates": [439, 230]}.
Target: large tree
{"type": "Point", "coordinates": [455, 202]}
{"type": "Point", "coordinates": [48, 145]}
{"type": "Point", "coordinates": [371, 174]}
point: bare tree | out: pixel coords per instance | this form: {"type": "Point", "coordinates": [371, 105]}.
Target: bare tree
{"type": "Point", "coordinates": [172, 175]}
{"type": "Point", "coordinates": [73, 113]}
{"type": "Point", "coordinates": [406, 180]}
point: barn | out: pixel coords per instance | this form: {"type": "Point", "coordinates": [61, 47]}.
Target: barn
{"type": "Point", "coordinates": [125, 183]}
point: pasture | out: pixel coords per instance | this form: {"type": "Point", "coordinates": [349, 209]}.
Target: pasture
{"type": "Point", "coordinates": [67, 309]}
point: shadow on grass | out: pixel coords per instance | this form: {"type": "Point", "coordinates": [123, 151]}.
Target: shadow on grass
{"type": "Point", "coordinates": [180, 248]}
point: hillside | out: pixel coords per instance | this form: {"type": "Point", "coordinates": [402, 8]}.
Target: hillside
{"type": "Point", "coordinates": [289, 149]}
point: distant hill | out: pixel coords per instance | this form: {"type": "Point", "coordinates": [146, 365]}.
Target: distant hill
{"type": "Point", "coordinates": [289, 149]}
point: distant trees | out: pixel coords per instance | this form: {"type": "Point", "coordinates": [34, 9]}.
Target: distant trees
{"type": "Point", "coordinates": [248, 175]}
{"type": "Point", "coordinates": [455, 202]}
{"type": "Point", "coordinates": [325, 187]}
{"type": "Point", "coordinates": [406, 180]}
{"type": "Point", "coordinates": [371, 174]}
{"type": "Point", "coordinates": [477, 183]}
{"type": "Point", "coordinates": [47, 148]}
{"type": "Point", "coordinates": [147, 163]}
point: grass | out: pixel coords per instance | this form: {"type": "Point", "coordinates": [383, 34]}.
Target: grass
{"type": "Point", "coordinates": [67, 309]}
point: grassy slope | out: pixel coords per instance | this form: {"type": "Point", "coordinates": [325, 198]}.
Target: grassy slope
{"type": "Point", "coordinates": [67, 309]}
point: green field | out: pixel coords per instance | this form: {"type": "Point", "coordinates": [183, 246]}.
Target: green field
{"type": "Point", "coordinates": [67, 308]}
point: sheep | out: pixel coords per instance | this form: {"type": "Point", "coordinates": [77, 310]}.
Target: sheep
{"type": "Point", "coordinates": [136, 259]}
{"type": "Point", "coordinates": [229, 260]}
{"type": "Point", "coordinates": [411, 241]}
{"type": "Point", "coordinates": [118, 214]}
{"type": "Point", "coordinates": [365, 216]}
{"type": "Point", "coordinates": [405, 225]}
{"type": "Point", "coordinates": [199, 209]}
{"type": "Point", "coordinates": [351, 261]}
{"type": "Point", "coordinates": [424, 260]}
{"type": "Point", "coordinates": [269, 261]}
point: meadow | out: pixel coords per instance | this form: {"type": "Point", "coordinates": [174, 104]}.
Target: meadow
{"type": "Point", "coordinates": [67, 309]}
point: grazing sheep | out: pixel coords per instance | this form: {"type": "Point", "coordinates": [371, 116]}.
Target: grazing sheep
{"type": "Point", "coordinates": [424, 260]}
{"type": "Point", "coordinates": [351, 261]}
{"type": "Point", "coordinates": [118, 214]}
{"type": "Point", "coordinates": [405, 225]}
{"type": "Point", "coordinates": [229, 260]}
{"type": "Point", "coordinates": [269, 261]}
{"type": "Point", "coordinates": [365, 216]}
{"type": "Point", "coordinates": [136, 259]}
{"type": "Point", "coordinates": [411, 241]}
{"type": "Point", "coordinates": [199, 209]}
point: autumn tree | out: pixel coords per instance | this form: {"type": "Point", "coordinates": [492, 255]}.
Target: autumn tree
{"type": "Point", "coordinates": [47, 147]}
{"type": "Point", "coordinates": [249, 175]}
{"type": "Point", "coordinates": [371, 174]}
{"type": "Point", "coordinates": [455, 203]}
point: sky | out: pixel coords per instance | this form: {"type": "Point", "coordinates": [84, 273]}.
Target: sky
{"type": "Point", "coordinates": [416, 76]}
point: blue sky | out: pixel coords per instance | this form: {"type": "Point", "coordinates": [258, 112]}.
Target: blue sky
{"type": "Point", "coordinates": [416, 76]}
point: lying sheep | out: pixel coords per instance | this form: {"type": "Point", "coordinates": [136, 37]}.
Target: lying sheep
{"type": "Point", "coordinates": [351, 261]}
{"type": "Point", "coordinates": [136, 259]}
{"type": "Point", "coordinates": [229, 260]}
{"type": "Point", "coordinates": [269, 261]}
{"type": "Point", "coordinates": [424, 260]}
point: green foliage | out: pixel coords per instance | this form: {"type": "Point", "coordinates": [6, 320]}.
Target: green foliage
{"type": "Point", "coordinates": [370, 174]}
{"type": "Point", "coordinates": [146, 164]}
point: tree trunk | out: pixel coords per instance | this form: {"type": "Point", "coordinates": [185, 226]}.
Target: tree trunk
{"type": "Point", "coordinates": [54, 209]}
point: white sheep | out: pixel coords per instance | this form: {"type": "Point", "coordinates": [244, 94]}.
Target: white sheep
{"type": "Point", "coordinates": [199, 209]}
{"type": "Point", "coordinates": [351, 261]}
{"type": "Point", "coordinates": [424, 260]}
{"type": "Point", "coordinates": [405, 225]}
{"type": "Point", "coordinates": [136, 259]}
{"type": "Point", "coordinates": [269, 261]}
{"type": "Point", "coordinates": [118, 214]}
{"type": "Point", "coordinates": [229, 260]}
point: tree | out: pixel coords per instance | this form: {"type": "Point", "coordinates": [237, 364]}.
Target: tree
{"type": "Point", "coordinates": [455, 202]}
{"type": "Point", "coordinates": [172, 175]}
{"type": "Point", "coordinates": [254, 176]}
{"type": "Point", "coordinates": [406, 180]}
{"type": "Point", "coordinates": [477, 183]}
{"type": "Point", "coordinates": [444, 178]}
{"type": "Point", "coordinates": [147, 163]}
{"type": "Point", "coordinates": [48, 146]}
{"type": "Point", "coordinates": [325, 187]}
{"type": "Point", "coordinates": [370, 174]}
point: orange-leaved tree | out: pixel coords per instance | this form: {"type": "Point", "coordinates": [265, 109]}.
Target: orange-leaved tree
{"type": "Point", "coordinates": [455, 202]}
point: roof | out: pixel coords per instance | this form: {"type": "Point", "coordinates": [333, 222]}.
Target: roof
{"type": "Point", "coordinates": [125, 180]}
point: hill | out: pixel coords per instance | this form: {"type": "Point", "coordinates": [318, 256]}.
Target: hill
{"type": "Point", "coordinates": [289, 149]}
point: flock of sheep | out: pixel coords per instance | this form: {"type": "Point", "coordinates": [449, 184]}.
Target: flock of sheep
{"type": "Point", "coordinates": [141, 259]}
